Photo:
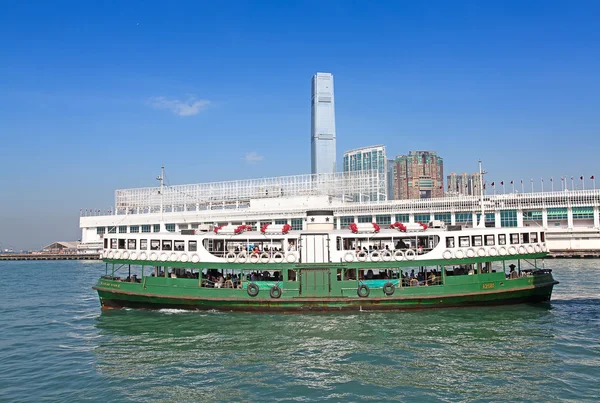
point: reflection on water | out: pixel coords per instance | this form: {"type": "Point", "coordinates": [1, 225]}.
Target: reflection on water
{"type": "Point", "coordinates": [516, 353]}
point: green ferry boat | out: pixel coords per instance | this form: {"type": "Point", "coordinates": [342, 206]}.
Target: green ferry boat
{"type": "Point", "coordinates": [364, 267]}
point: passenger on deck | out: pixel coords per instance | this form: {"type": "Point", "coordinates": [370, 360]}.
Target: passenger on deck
{"type": "Point", "coordinates": [513, 273]}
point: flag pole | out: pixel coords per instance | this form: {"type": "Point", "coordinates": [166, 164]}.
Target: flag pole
{"type": "Point", "coordinates": [522, 187]}
{"type": "Point", "coordinates": [531, 185]}
{"type": "Point", "coordinates": [582, 182]}
{"type": "Point", "coordinates": [542, 184]}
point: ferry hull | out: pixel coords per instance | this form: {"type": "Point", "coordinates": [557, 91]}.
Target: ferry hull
{"type": "Point", "coordinates": [111, 299]}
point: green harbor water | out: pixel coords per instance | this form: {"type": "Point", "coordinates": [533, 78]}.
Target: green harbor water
{"type": "Point", "coordinates": [57, 345]}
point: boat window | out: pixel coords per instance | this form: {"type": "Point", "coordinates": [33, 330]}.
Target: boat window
{"type": "Point", "coordinates": [350, 274]}
{"type": "Point", "coordinates": [501, 239]}
{"type": "Point", "coordinates": [292, 244]}
{"type": "Point", "coordinates": [167, 245]}
{"type": "Point", "coordinates": [525, 237]}
{"type": "Point", "coordinates": [192, 246]}
{"type": "Point", "coordinates": [450, 242]}
{"type": "Point", "coordinates": [489, 240]}
{"type": "Point", "coordinates": [291, 275]}
{"type": "Point", "coordinates": [533, 237]}
{"type": "Point", "coordinates": [542, 238]}
{"type": "Point", "coordinates": [514, 239]}
{"type": "Point", "coordinates": [143, 244]}
{"type": "Point", "coordinates": [179, 245]}
{"type": "Point", "coordinates": [154, 244]}
{"type": "Point", "coordinates": [477, 240]}
{"type": "Point", "coordinates": [131, 244]}
{"type": "Point", "coordinates": [121, 244]}
{"type": "Point", "coordinates": [105, 243]}
{"type": "Point", "coordinates": [338, 243]}
{"type": "Point", "coordinates": [463, 241]}
{"type": "Point", "coordinates": [113, 243]}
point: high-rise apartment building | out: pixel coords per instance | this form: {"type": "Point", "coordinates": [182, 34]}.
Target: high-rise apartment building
{"type": "Point", "coordinates": [418, 175]}
{"type": "Point", "coordinates": [464, 184]}
{"type": "Point", "coordinates": [323, 149]}
{"type": "Point", "coordinates": [371, 158]}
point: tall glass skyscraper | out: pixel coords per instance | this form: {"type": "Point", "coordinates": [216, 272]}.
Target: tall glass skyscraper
{"type": "Point", "coordinates": [323, 151]}
{"type": "Point", "coordinates": [371, 158]}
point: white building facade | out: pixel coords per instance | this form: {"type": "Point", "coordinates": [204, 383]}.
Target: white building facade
{"type": "Point", "coordinates": [323, 138]}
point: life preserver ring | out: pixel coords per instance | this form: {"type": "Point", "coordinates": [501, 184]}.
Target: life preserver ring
{"type": "Point", "coordinates": [264, 257]}
{"type": "Point", "coordinates": [470, 252]}
{"type": "Point", "coordinates": [242, 257]}
{"type": "Point", "coordinates": [398, 255]}
{"type": "Point", "coordinates": [173, 257]}
{"type": "Point", "coordinates": [254, 258]}
{"type": "Point", "coordinates": [481, 252]}
{"type": "Point", "coordinates": [492, 251]}
{"type": "Point", "coordinates": [544, 248]}
{"type": "Point", "coordinates": [361, 256]}
{"type": "Point", "coordinates": [163, 257]}
{"type": "Point", "coordinates": [291, 258]}
{"type": "Point", "coordinates": [100, 255]}
{"type": "Point", "coordinates": [522, 250]}
{"type": "Point", "coordinates": [153, 256]}
{"type": "Point", "coordinates": [184, 257]}
{"type": "Point", "coordinates": [447, 254]}
{"type": "Point", "coordinates": [111, 254]}
{"type": "Point", "coordinates": [389, 288]}
{"type": "Point", "coordinates": [512, 250]}
{"type": "Point", "coordinates": [363, 291]}
{"type": "Point", "coordinates": [143, 256]}
{"type": "Point", "coordinates": [195, 258]}
{"type": "Point", "coordinates": [459, 254]}
{"type": "Point", "coordinates": [375, 256]}
{"type": "Point", "coordinates": [410, 254]}
{"type": "Point", "coordinates": [502, 251]}
{"type": "Point", "coordinates": [278, 257]}
{"type": "Point", "coordinates": [530, 249]}
{"type": "Point", "coordinates": [133, 256]}
{"type": "Point", "coordinates": [230, 257]}
{"type": "Point", "coordinates": [125, 255]}
{"type": "Point", "coordinates": [349, 257]}
{"type": "Point", "coordinates": [538, 248]}
{"type": "Point", "coordinates": [386, 256]}
{"type": "Point", "coordinates": [117, 255]}
{"type": "Point", "coordinates": [252, 290]}
{"type": "Point", "coordinates": [275, 292]}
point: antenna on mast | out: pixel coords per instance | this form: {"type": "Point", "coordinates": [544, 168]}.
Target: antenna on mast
{"type": "Point", "coordinates": [161, 178]}
{"type": "Point", "coordinates": [481, 184]}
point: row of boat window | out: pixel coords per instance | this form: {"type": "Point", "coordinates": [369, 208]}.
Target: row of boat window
{"type": "Point", "coordinates": [465, 241]}
{"type": "Point", "coordinates": [155, 244]}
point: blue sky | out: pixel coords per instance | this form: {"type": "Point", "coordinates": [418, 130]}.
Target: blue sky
{"type": "Point", "coordinates": [96, 96]}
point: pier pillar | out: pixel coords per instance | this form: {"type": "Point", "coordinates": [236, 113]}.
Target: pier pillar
{"type": "Point", "coordinates": [452, 219]}
{"type": "Point", "coordinates": [519, 218]}
{"type": "Point", "coordinates": [497, 219]}
{"type": "Point", "coordinates": [474, 219]}
{"type": "Point", "coordinates": [596, 218]}
{"type": "Point", "coordinates": [411, 218]}
{"type": "Point", "coordinates": [570, 217]}
{"type": "Point", "coordinates": [545, 218]}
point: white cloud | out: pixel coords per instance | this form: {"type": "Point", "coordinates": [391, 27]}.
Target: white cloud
{"type": "Point", "coordinates": [190, 107]}
{"type": "Point", "coordinates": [253, 157]}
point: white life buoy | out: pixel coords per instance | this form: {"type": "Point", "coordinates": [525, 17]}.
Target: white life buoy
{"type": "Point", "coordinates": [230, 257]}
{"type": "Point", "coordinates": [100, 254]}
{"type": "Point", "coordinates": [362, 256]}
{"type": "Point", "coordinates": [522, 250]}
{"type": "Point", "coordinates": [254, 258]}
{"type": "Point", "coordinates": [398, 255]}
{"type": "Point", "coordinates": [278, 257]}
{"type": "Point", "coordinates": [163, 257]}
{"type": "Point", "coordinates": [195, 258]}
{"type": "Point", "coordinates": [512, 250]}
{"type": "Point", "coordinates": [375, 256]}
{"type": "Point", "coordinates": [544, 247]}
{"type": "Point", "coordinates": [470, 252]}
{"type": "Point", "coordinates": [184, 257]}
{"type": "Point", "coordinates": [264, 257]}
{"type": "Point", "coordinates": [143, 256]}
{"type": "Point", "coordinates": [153, 256]}
{"type": "Point", "coordinates": [349, 257]}
{"type": "Point", "coordinates": [291, 258]}
{"type": "Point", "coordinates": [125, 255]}
{"type": "Point", "coordinates": [410, 254]}
{"type": "Point", "coordinates": [530, 249]}
{"type": "Point", "coordinates": [133, 256]}
{"type": "Point", "coordinates": [242, 257]}
{"type": "Point", "coordinates": [492, 251]}
{"type": "Point", "coordinates": [447, 254]}
{"type": "Point", "coordinates": [538, 248]}
{"type": "Point", "coordinates": [459, 254]}
{"type": "Point", "coordinates": [173, 257]}
{"type": "Point", "coordinates": [481, 252]}
{"type": "Point", "coordinates": [502, 251]}
{"type": "Point", "coordinates": [117, 255]}
{"type": "Point", "coordinates": [386, 255]}
{"type": "Point", "coordinates": [111, 254]}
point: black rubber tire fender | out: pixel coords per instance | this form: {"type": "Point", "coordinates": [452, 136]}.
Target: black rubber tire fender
{"type": "Point", "coordinates": [389, 288]}
{"type": "Point", "coordinates": [275, 292]}
{"type": "Point", "coordinates": [253, 290]}
{"type": "Point", "coordinates": [363, 291]}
